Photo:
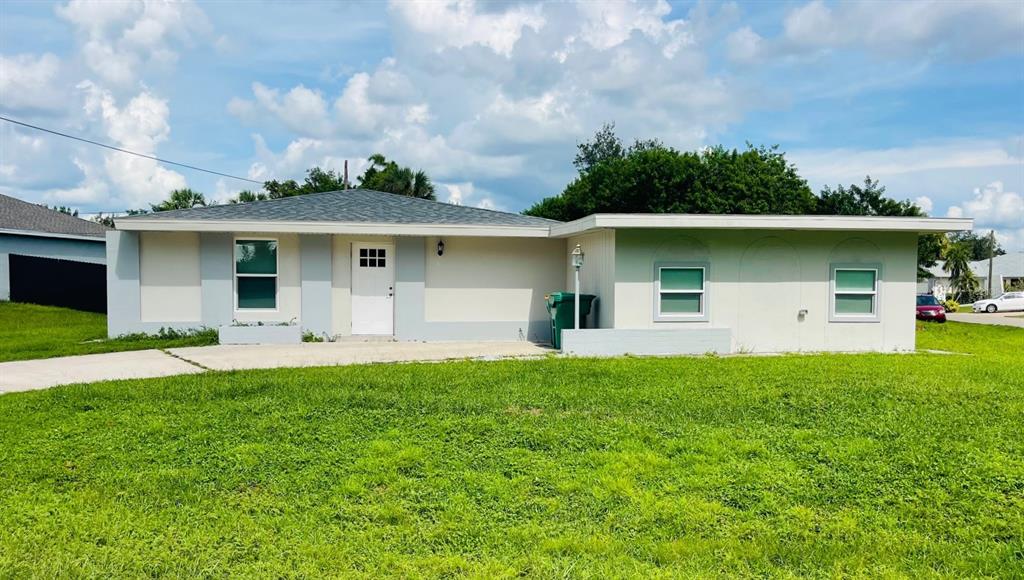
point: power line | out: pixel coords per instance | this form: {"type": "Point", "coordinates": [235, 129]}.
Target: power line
{"type": "Point", "coordinates": [111, 147]}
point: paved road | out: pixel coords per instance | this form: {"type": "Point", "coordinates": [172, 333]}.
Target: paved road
{"type": "Point", "coordinates": [44, 373]}
{"type": "Point", "coordinates": [998, 318]}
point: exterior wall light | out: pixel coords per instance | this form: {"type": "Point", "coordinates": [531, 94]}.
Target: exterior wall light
{"type": "Point", "coordinates": [440, 247]}
{"type": "Point", "coordinates": [577, 263]}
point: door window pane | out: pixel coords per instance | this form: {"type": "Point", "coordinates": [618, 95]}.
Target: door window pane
{"type": "Point", "coordinates": [256, 256]}
{"type": "Point", "coordinates": [259, 292]}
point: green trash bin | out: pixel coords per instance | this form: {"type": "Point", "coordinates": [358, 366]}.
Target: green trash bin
{"type": "Point", "coordinates": [561, 306]}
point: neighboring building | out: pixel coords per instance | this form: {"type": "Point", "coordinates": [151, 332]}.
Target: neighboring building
{"type": "Point", "coordinates": [49, 257]}
{"type": "Point", "coordinates": [360, 262]}
{"type": "Point", "coordinates": [1007, 273]}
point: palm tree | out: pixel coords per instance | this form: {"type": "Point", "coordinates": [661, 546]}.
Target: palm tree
{"type": "Point", "coordinates": [180, 199]}
{"type": "Point", "coordinates": [958, 265]}
{"type": "Point", "coordinates": [384, 175]}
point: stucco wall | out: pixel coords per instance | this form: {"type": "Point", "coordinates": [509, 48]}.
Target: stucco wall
{"type": "Point", "coordinates": [597, 276]}
{"type": "Point", "coordinates": [289, 284]}
{"type": "Point", "coordinates": [59, 248]}
{"type": "Point", "coordinates": [491, 279]}
{"type": "Point", "coordinates": [759, 281]}
{"type": "Point", "coordinates": [169, 281]}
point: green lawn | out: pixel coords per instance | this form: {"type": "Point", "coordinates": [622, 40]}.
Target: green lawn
{"type": "Point", "coordinates": [29, 331]}
{"type": "Point", "coordinates": [825, 465]}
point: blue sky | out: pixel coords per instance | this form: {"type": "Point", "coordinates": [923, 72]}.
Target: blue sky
{"type": "Point", "coordinates": [490, 98]}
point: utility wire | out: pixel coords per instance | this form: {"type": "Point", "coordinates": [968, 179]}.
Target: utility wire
{"type": "Point", "coordinates": [111, 147]}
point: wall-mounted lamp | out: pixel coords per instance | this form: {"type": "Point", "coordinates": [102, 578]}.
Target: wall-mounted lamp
{"type": "Point", "coordinates": [440, 247]}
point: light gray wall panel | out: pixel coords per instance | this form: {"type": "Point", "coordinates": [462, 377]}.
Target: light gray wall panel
{"type": "Point", "coordinates": [613, 342]}
{"type": "Point", "coordinates": [410, 323]}
{"type": "Point", "coordinates": [315, 259]}
{"type": "Point", "coordinates": [216, 268]}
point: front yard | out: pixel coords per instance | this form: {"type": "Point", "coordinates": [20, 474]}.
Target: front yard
{"type": "Point", "coordinates": [823, 465]}
{"type": "Point", "coordinates": [30, 331]}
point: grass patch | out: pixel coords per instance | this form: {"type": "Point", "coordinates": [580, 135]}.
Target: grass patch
{"type": "Point", "coordinates": [815, 465]}
{"type": "Point", "coordinates": [30, 331]}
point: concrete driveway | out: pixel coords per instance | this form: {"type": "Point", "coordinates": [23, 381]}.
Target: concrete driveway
{"type": "Point", "coordinates": [997, 318]}
{"type": "Point", "coordinates": [44, 373]}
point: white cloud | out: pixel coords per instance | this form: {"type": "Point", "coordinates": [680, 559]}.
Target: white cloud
{"type": "Point", "coordinates": [139, 126]}
{"type": "Point", "coordinates": [466, 193]}
{"type": "Point", "coordinates": [851, 165]}
{"type": "Point", "coordinates": [960, 30]}
{"type": "Point", "coordinates": [609, 24]}
{"type": "Point", "coordinates": [743, 45]}
{"type": "Point", "coordinates": [994, 208]}
{"type": "Point", "coordinates": [28, 81]}
{"type": "Point", "coordinates": [460, 23]}
{"type": "Point", "coordinates": [925, 203]}
{"type": "Point", "coordinates": [119, 39]}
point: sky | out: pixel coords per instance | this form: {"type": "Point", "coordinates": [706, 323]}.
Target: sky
{"type": "Point", "coordinates": [491, 98]}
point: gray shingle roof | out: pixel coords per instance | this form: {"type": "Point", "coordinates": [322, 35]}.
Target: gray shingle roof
{"type": "Point", "coordinates": [16, 214]}
{"type": "Point", "coordinates": [352, 206]}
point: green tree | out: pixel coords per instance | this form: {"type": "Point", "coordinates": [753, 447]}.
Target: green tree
{"type": "Point", "coordinates": [385, 175]}
{"type": "Point", "coordinates": [104, 219]}
{"type": "Point", "coordinates": [180, 199]}
{"type": "Point", "coordinates": [317, 181]}
{"type": "Point", "coordinates": [246, 196]}
{"type": "Point", "coordinates": [978, 245]}
{"type": "Point", "coordinates": [870, 200]}
{"type": "Point", "coordinates": [64, 209]}
{"type": "Point", "coordinates": [648, 177]}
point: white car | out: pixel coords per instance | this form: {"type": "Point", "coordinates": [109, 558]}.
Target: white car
{"type": "Point", "coordinates": [1006, 302]}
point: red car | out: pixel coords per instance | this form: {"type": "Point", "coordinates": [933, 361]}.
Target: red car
{"type": "Point", "coordinates": [928, 308]}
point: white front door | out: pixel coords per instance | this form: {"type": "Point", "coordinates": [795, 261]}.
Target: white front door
{"type": "Point", "coordinates": [373, 288]}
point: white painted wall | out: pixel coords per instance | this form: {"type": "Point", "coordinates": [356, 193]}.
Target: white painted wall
{"type": "Point", "coordinates": [169, 286]}
{"type": "Point", "coordinates": [597, 276]}
{"type": "Point", "coordinates": [759, 280]}
{"type": "Point", "coordinates": [491, 279]}
{"type": "Point", "coordinates": [289, 284]}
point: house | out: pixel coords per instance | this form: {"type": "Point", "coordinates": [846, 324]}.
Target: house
{"type": "Point", "coordinates": [1007, 273]}
{"type": "Point", "coordinates": [361, 262]}
{"type": "Point", "coordinates": [49, 257]}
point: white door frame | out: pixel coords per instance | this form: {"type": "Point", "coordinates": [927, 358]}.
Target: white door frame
{"type": "Point", "coordinates": [373, 288]}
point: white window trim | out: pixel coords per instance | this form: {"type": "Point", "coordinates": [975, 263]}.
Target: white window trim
{"type": "Point", "coordinates": [276, 276]}
{"type": "Point", "coordinates": [876, 293]}
{"type": "Point", "coordinates": [703, 315]}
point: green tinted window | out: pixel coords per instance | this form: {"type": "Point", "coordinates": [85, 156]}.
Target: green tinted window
{"type": "Point", "coordinates": [256, 256]}
{"type": "Point", "coordinates": [680, 304]}
{"type": "Point", "coordinates": [257, 292]}
{"type": "Point", "coordinates": [855, 280]}
{"type": "Point", "coordinates": [682, 279]}
{"type": "Point", "coordinates": [855, 304]}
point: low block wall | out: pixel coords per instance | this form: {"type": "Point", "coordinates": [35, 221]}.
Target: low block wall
{"type": "Point", "coordinates": [260, 335]}
{"type": "Point", "coordinates": [668, 341]}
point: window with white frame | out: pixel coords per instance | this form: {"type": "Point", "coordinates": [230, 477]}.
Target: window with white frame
{"type": "Point", "coordinates": [256, 274]}
{"type": "Point", "coordinates": [854, 293]}
{"type": "Point", "coordinates": [680, 292]}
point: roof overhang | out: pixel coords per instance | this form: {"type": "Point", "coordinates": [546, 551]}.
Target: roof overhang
{"type": "Point", "coordinates": [761, 222]}
{"type": "Point", "coordinates": [38, 234]}
{"type": "Point", "coordinates": [311, 227]}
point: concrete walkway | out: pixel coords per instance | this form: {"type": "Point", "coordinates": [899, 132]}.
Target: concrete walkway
{"type": "Point", "coordinates": [44, 373]}
{"type": "Point", "coordinates": [997, 318]}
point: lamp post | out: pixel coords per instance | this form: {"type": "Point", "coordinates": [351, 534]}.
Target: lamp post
{"type": "Point", "coordinates": [577, 263]}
